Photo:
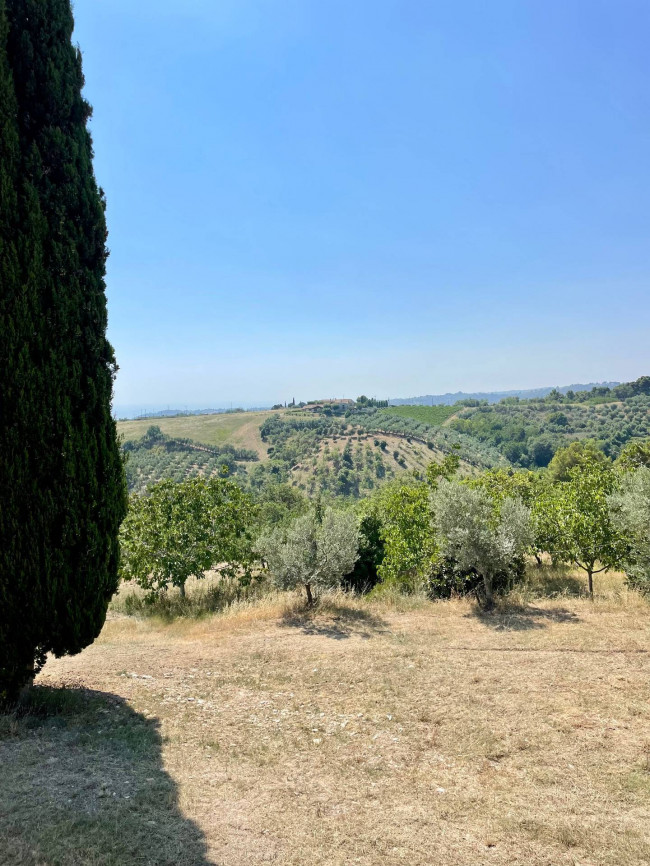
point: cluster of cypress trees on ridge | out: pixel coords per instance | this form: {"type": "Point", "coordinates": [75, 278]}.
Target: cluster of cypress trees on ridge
{"type": "Point", "coordinates": [62, 489]}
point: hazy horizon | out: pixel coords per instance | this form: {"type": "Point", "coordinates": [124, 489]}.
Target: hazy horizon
{"type": "Point", "coordinates": [126, 410]}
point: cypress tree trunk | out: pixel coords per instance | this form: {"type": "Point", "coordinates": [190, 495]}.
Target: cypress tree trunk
{"type": "Point", "coordinates": [62, 491]}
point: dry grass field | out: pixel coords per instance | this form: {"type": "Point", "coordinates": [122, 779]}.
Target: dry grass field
{"type": "Point", "coordinates": [241, 429]}
{"type": "Point", "coordinates": [395, 732]}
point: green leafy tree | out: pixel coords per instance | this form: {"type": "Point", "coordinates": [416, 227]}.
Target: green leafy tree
{"type": "Point", "coordinates": [477, 536]}
{"type": "Point", "coordinates": [278, 504]}
{"type": "Point", "coordinates": [508, 483]}
{"type": "Point", "coordinates": [365, 574]}
{"type": "Point", "coordinates": [630, 509]}
{"type": "Point", "coordinates": [183, 530]}
{"type": "Point", "coordinates": [582, 452]}
{"type": "Point", "coordinates": [314, 551]}
{"type": "Point", "coordinates": [410, 549]}
{"type": "Point", "coordinates": [62, 488]}
{"type": "Point", "coordinates": [634, 455]}
{"type": "Point", "coordinates": [541, 451]}
{"type": "Point", "coordinates": [576, 523]}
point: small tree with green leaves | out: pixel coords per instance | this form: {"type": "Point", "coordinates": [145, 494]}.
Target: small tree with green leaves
{"type": "Point", "coordinates": [316, 551]}
{"type": "Point", "coordinates": [182, 530]}
{"type": "Point", "coordinates": [478, 536]}
{"type": "Point", "coordinates": [630, 510]}
{"type": "Point", "coordinates": [410, 551]}
{"type": "Point", "coordinates": [447, 468]}
{"type": "Point", "coordinates": [576, 522]}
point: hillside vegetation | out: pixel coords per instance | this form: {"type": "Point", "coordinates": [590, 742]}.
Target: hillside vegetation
{"type": "Point", "coordinates": [352, 451]}
{"type": "Point", "coordinates": [432, 415]}
{"type": "Point", "coordinates": [157, 456]}
{"type": "Point", "coordinates": [529, 433]}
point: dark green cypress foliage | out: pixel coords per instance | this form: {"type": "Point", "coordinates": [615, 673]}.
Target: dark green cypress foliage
{"type": "Point", "coordinates": [62, 491]}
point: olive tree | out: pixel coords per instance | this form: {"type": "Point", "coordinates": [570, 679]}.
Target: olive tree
{"type": "Point", "coordinates": [181, 530]}
{"type": "Point", "coordinates": [315, 551]}
{"type": "Point", "coordinates": [630, 510]}
{"type": "Point", "coordinates": [478, 536]}
{"type": "Point", "coordinates": [527, 486]}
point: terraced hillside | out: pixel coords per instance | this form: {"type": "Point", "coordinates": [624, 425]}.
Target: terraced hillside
{"type": "Point", "coordinates": [156, 456]}
{"type": "Point", "coordinates": [312, 453]}
{"type": "Point", "coordinates": [357, 463]}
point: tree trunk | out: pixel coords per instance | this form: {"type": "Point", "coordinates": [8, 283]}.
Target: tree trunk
{"type": "Point", "coordinates": [539, 559]}
{"type": "Point", "coordinates": [310, 597]}
{"type": "Point", "coordinates": [182, 589]}
{"type": "Point", "coordinates": [489, 594]}
{"type": "Point", "coordinates": [590, 575]}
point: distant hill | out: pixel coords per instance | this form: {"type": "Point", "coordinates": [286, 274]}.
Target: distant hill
{"type": "Point", "coordinates": [494, 396]}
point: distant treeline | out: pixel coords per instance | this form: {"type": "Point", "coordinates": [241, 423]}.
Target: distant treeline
{"type": "Point", "coordinates": [450, 399]}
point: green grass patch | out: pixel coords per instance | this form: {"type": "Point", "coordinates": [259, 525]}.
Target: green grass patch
{"type": "Point", "coordinates": [434, 415]}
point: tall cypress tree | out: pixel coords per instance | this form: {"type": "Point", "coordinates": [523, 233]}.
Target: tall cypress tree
{"type": "Point", "coordinates": [62, 490]}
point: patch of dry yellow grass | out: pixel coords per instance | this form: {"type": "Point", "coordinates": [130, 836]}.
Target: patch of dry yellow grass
{"type": "Point", "coordinates": [362, 733]}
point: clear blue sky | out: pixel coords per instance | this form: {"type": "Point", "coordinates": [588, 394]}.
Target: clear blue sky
{"type": "Point", "coordinates": [311, 198]}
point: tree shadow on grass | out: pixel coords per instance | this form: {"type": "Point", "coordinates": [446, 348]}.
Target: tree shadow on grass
{"type": "Point", "coordinates": [82, 782]}
{"type": "Point", "coordinates": [335, 621]}
{"type": "Point", "coordinates": [522, 618]}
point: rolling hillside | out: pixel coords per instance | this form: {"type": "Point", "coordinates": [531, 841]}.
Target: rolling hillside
{"type": "Point", "coordinates": [310, 452]}
{"type": "Point", "coordinates": [351, 453]}
{"type": "Point", "coordinates": [240, 429]}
